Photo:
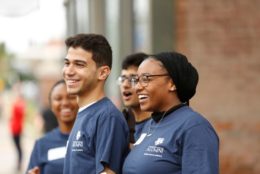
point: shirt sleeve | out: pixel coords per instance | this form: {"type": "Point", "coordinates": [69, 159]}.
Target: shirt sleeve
{"type": "Point", "coordinates": [35, 156]}
{"type": "Point", "coordinates": [111, 144]}
{"type": "Point", "coordinates": [200, 154]}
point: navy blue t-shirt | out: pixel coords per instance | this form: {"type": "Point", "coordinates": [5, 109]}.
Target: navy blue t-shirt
{"type": "Point", "coordinates": [99, 136]}
{"type": "Point", "coordinates": [182, 143]}
{"type": "Point", "coordinates": [139, 128]}
{"type": "Point", "coordinates": [49, 152]}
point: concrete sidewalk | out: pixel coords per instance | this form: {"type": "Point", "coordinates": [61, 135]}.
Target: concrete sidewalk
{"type": "Point", "coordinates": [8, 156]}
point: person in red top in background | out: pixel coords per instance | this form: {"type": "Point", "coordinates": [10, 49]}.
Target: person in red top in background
{"type": "Point", "coordinates": [16, 125]}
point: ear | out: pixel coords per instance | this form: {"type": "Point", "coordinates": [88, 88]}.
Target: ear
{"type": "Point", "coordinates": [104, 72]}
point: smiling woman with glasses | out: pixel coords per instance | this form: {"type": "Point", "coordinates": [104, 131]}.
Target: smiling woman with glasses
{"type": "Point", "coordinates": [177, 139]}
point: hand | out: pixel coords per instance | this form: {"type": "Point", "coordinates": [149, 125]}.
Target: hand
{"type": "Point", "coordinates": [107, 170]}
{"type": "Point", "coordinates": [35, 170]}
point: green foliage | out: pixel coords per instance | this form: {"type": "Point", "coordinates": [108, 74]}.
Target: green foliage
{"type": "Point", "coordinates": [2, 51]}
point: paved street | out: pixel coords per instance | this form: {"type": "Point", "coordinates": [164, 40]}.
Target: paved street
{"type": "Point", "coordinates": [8, 156]}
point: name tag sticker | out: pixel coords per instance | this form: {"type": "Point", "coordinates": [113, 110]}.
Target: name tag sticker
{"type": "Point", "coordinates": [140, 139]}
{"type": "Point", "coordinates": [56, 153]}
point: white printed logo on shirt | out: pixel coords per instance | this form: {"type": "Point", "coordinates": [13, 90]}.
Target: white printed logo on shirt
{"type": "Point", "coordinates": [158, 141]}
{"type": "Point", "coordinates": [155, 150]}
{"type": "Point", "coordinates": [78, 135]}
{"type": "Point", "coordinates": [77, 145]}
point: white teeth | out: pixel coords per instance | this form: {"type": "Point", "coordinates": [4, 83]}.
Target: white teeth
{"type": "Point", "coordinates": [71, 81]}
{"type": "Point", "coordinates": [142, 96]}
{"type": "Point", "coordinates": [65, 110]}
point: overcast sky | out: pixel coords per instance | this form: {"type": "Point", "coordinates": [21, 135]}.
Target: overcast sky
{"type": "Point", "coordinates": [45, 23]}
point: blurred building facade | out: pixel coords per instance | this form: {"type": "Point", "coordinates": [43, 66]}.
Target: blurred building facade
{"type": "Point", "coordinates": [44, 61]}
{"type": "Point", "coordinates": [129, 25]}
{"type": "Point", "coordinates": [219, 37]}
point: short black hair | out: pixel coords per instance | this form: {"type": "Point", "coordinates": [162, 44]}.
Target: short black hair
{"type": "Point", "coordinates": [94, 43]}
{"type": "Point", "coordinates": [133, 60]}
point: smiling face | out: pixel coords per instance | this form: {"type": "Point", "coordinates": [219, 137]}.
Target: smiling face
{"type": "Point", "coordinates": [63, 105]}
{"type": "Point", "coordinates": [157, 95]}
{"type": "Point", "coordinates": [128, 92]}
{"type": "Point", "coordinates": [80, 71]}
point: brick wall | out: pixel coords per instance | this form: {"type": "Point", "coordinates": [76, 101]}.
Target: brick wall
{"type": "Point", "coordinates": [222, 39]}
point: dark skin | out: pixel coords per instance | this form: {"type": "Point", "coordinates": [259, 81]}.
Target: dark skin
{"type": "Point", "coordinates": [64, 107]}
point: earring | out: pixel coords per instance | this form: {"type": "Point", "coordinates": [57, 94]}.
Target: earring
{"type": "Point", "coordinates": [173, 88]}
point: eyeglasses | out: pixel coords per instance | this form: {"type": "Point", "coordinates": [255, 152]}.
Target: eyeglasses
{"type": "Point", "coordinates": [122, 78]}
{"type": "Point", "coordinates": [144, 79]}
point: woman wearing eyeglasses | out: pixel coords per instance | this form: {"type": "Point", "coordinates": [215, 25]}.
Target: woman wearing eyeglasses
{"type": "Point", "coordinates": [177, 140]}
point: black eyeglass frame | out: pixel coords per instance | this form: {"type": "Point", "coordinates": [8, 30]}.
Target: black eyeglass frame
{"type": "Point", "coordinates": [122, 78]}
{"type": "Point", "coordinates": [144, 83]}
